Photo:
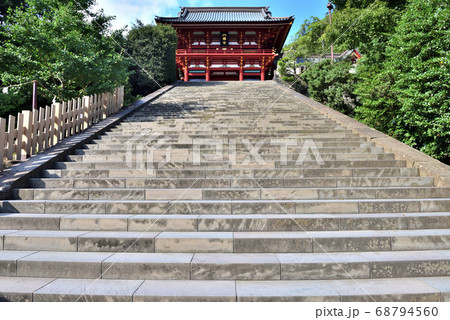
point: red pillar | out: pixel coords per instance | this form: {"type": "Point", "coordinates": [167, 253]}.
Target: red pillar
{"type": "Point", "coordinates": [241, 74]}
{"type": "Point", "coordinates": [186, 74]}
{"type": "Point", "coordinates": [263, 74]}
{"type": "Point", "coordinates": [208, 73]}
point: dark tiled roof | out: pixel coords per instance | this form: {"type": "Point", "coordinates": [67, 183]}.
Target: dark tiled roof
{"type": "Point", "coordinates": [223, 14]}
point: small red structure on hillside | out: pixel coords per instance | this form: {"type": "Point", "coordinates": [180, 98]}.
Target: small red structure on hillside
{"type": "Point", "coordinates": [228, 43]}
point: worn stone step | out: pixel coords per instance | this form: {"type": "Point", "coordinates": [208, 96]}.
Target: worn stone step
{"type": "Point", "coordinates": [272, 153]}
{"type": "Point", "coordinates": [343, 241]}
{"type": "Point", "coordinates": [375, 290]}
{"type": "Point", "coordinates": [97, 144]}
{"type": "Point", "coordinates": [261, 193]}
{"type": "Point", "coordinates": [151, 135]}
{"type": "Point", "coordinates": [235, 222]}
{"type": "Point", "coordinates": [225, 266]}
{"type": "Point", "coordinates": [239, 148]}
{"type": "Point", "coordinates": [226, 206]}
{"type": "Point", "coordinates": [240, 160]}
{"type": "Point", "coordinates": [365, 290]}
{"type": "Point", "coordinates": [208, 135]}
{"type": "Point", "coordinates": [228, 242]}
{"type": "Point", "coordinates": [173, 164]}
{"type": "Point", "coordinates": [227, 179]}
{"type": "Point", "coordinates": [350, 164]}
{"type": "Point", "coordinates": [252, 172]}
{"type": "Point", "coordinates": [83, 241]}
{"type": "Point", "coordinates": [322, 222]}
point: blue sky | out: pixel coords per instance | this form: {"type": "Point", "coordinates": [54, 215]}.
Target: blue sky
{"type": "Point", "coordinates": [127, 11]}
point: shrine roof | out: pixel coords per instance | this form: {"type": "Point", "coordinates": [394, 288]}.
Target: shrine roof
{"type": "Point", "coordinates": [223, 14]}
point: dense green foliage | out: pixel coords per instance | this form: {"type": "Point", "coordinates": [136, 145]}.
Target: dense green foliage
{"type": "Point", "coordinates": [71, 51]}
{"type": "Point", "coordinates": [53, 42]}
{"type": "Point", "coordinates": [401, 86]}
{"type": "Point", "coordinates": [415, 80]}
{"type": "Point", "coordinates": [153, 51]}
{"type": "Point", "coordinates": [331, 84]}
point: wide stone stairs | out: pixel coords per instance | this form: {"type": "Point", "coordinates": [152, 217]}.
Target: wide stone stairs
{"type": "Point", "coordinates": [252, 195]}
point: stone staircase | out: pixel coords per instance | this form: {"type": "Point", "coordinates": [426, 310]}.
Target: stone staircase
{"type": "Point", "coordinates": [348, 222]}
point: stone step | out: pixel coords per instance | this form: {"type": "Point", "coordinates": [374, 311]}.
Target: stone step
{"type": "Point", "coordinates": [227, 242]}
{"type": "Point", "coordinates": [239, 147]}
{"type": "Point", "coordinates": [220, 223]}
{"type": "Point", "coordinates": [252, 138]}
{"type": "Point", "coordinates": [324, 142]}
{"type": "Point", "coordinates": [433, 289]}
{"type": "Point", "coordinates": [273, 153]}
{"type": "Point", "coordinates": [225, 266]}
{"type": "Point", "coordinates": [255, 172]}
{"type": "Point", "coordinates": [230, 193]}
{"type": "Point", "coordinates": [225, 132]}
{"type": "Point", "coordinates": [225, 137]}
{"type": "Point", "coordinates": [267, 161]}
{"type": "Point", "coordinates": [164, 130]}
{"type": "Point", "coordinates": [225, 206]}
{"type": "Point", "coordinates": [190, 180]}
{"type": "Point", "coordinates": [345, 164]}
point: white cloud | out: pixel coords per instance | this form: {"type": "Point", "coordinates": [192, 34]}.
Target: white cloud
{"type": "Point", "coordinates": [199, 3]}
{"type": "Point", "coordinates": [126, 12]}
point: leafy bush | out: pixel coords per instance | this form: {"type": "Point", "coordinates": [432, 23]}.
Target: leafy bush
{"type": "Point", "coordinates": [332, 84]}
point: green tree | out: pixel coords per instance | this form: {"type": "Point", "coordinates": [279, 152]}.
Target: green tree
{"type": "Point", "coordinates": [153, 50]}
{"type": "Point", "coordinates": [54, 43]}
{"type": "Point", "coordinates": [7, 5]}
{"type": "Point", "coordinates": [308, 40]}
{"type": "Point", "coordinates": [407, 95]}
{"type": "Point", "coordinates": [419, 57]}
{"type": "Point", "coordinates": [361, 4]}
{"type": "Point", "coordinates": [362, 28]}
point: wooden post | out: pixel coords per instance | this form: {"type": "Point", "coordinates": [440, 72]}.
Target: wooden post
{"type": "Point", "coordinates": [186, 74]}
{"type": "Point", "coordinates": [41, 123]}
{"type": "Point", "coordinates": [79, 113]}
{"type": "Point", "coordinates": [28, 128]}
{"type": "Point", "coordinates": [19, 137]}
{"type": "Point", "coordinates": [241, 74]}
{"type": "Point", "coordinates": [85, 112]}
{"type": "Point", "coordinates": [48, 124]}
{"type": "Point", "coordinates": [208, 73]}
{"type": "Point", "coordinates": [122, 97]}
{"type": "Point", "coordinates": [104, 105]}
{"type": "Point", "coordinates": [2, 141]}
{"type": "Point", "coordinates": [72, 121]}
{"type": "Point", "coordinates": [263, 74]}
{"type": "Point", "coordinates": [57, 108]}
{"type": "Point", "coordinates": [11, 129]}
{"type": "Point", "coordinates": [34, 103]}
{"type": "Point", "coordinates": [34, 136]}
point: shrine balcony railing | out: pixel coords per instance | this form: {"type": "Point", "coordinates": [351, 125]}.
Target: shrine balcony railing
{"type": "Point", "coordinates": [224, 51]}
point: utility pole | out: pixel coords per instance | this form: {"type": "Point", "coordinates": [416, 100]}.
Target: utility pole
{"type": "Point", "coordinates": [34, 103]}
{"type": "Point", "coordinates": [330, 7]}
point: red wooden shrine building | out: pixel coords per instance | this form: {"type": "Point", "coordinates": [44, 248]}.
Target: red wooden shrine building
{"type": "Point", "coordinates": [227, 43]}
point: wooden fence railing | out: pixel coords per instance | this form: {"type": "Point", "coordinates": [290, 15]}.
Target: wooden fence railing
{"type": "Point", "coordinates": [34, 131]}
